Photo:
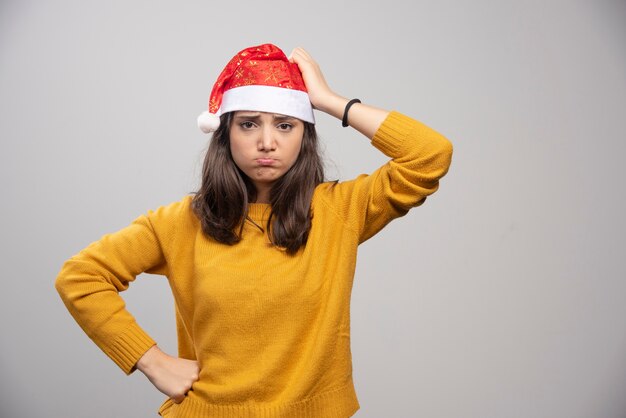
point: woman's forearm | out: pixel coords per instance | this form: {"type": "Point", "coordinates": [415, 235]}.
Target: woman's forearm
{"type": "Point", "coordinates": [361, 116]}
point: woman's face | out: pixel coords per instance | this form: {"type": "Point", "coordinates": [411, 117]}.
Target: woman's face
{"type": "Point", "coordinates": [265, 145]}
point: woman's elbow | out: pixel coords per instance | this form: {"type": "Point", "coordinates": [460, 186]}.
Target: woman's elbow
{"type": "Point", "coordinates": [444, 156]}
{"type": "Point", "coordinates": [62, 281]}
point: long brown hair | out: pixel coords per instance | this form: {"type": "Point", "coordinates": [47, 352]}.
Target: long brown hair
{"type": "Point", "coordinates": [221, 204]}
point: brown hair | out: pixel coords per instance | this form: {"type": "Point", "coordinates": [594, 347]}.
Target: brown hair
{"type": "Point", "coordinates": [221, 204]}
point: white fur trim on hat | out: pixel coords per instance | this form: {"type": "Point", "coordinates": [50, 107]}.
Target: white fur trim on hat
{"type": "Point", "coordinates": [270, 99]}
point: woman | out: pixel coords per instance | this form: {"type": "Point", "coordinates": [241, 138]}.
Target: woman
{"type": "Point", "coordinates": [261, 259]}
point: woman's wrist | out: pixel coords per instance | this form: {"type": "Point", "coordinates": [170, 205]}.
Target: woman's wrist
{"type": "Point", "coordinates": [333, 104]}
{"type": "Point", "coordinates": [148, 359]}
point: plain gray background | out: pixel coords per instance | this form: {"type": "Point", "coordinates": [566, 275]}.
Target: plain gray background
{"type": "Point", "coordinates": [503, 296]}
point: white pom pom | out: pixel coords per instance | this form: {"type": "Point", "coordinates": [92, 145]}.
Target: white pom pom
{"type": "Point", "coordinates": [208, 122]}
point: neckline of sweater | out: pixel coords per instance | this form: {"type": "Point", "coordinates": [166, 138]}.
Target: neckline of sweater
{"type": "Point", "coordinates": [259, 211]}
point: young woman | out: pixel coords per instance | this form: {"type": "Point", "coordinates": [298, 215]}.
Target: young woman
{"type": "Point", "coordinates": [261, 259]}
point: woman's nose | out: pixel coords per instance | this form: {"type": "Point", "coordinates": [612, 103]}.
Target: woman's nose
{"type": "Point", "coordinates": [266, 141]}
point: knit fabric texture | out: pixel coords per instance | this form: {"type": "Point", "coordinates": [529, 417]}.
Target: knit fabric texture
{"type": "Point", "coordinates": [271, 331]}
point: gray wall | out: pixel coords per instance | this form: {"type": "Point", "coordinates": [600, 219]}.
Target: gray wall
{"type": "Point", "coordinates": [503, 296]}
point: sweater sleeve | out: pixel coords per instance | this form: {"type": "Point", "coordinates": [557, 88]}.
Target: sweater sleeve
{"type": "Point", "coordinates": [420, 156]}
{"type": "Point", "coordinates": [89, 284]}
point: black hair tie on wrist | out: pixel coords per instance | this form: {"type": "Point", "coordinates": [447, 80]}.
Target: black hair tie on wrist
{"type": "Point", "coordinates": [344, 120]}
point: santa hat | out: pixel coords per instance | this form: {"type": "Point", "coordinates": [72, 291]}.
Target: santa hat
{"type": "Point", "coordinates": [259, 78]}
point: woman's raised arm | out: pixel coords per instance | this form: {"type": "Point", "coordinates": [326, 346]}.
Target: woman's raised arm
{"type": "Point", "coordinates": [420, 156]}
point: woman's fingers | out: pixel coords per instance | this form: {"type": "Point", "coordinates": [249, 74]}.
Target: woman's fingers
{"type": "Point", "coordinates": [316, 85]}
{"type": "Point", "coordinates": [172, 376]}
{"type": "Point", "coordinates": [303, 52]}
{"type": "Point", "coordinates": [177, 378]}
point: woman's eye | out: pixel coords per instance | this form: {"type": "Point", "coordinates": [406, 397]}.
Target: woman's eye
{"type": "Point", "coordinates": [246, 125]}
{"type": "Point", "coordinates": [284, 126]}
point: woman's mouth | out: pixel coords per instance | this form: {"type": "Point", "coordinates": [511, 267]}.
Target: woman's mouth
{"type": "Point", "coordinates": [265, 161]}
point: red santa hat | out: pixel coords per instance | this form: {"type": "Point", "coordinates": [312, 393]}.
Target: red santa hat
{"type": "Point", "coordinates": [259, 78]}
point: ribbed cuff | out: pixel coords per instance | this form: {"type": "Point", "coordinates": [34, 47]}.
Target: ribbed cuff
{"type": "Point", "coordinates": [129, 347]}
{"type": "Point", "coordinates": [390, 135]}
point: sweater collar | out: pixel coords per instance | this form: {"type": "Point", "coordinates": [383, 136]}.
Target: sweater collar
{"type": "Point", "coordinates": [259, 211]}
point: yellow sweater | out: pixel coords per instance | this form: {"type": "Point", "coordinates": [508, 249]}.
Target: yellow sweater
{"type": "Point", "coordinates": [271, 332]}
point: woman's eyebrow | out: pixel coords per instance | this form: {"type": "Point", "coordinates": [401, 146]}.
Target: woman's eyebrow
{"type": "Point", "coordinates": [257, 115]}
{"type": "Point", "coordinates": [248, 115]}
{"type": "Point", "coordinates": [283, 117]}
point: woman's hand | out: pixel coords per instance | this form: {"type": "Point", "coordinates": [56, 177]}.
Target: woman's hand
{"type": "Point", "coordinates": [172, 376]}
{"type": "Point", "coordinates": [362, 117]}
{"type": "Point", "coordinates": [321, 96]}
